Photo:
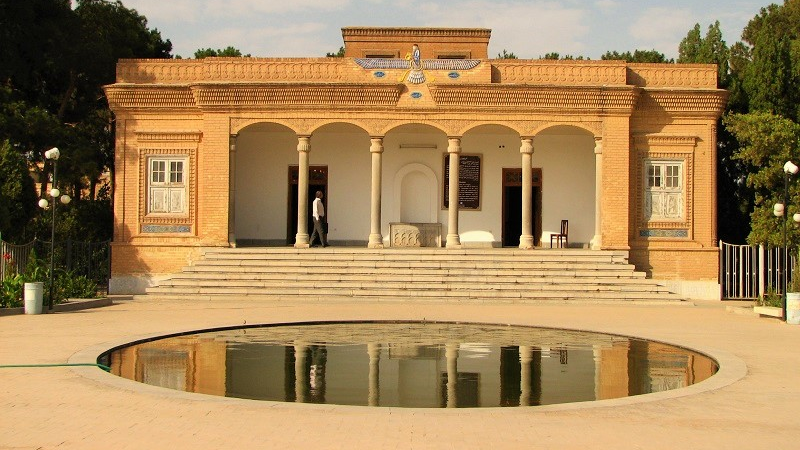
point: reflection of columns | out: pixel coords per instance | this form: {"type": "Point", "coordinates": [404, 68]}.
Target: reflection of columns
{"type": "Point", "coordinates": [303, 147]}
{"type": "Point", "coordinates": [374, 352]}
{"type": "Point", "coordinates": [454, 149]}
{"type": "Point", "coordinates": [232, 191]}
{"type": "Point", "coordinates": [300, 375]}
{"type": "Point", "coordinates": [451, 352]}
{"type": "Point", "coordinates": [526, 239]}
{"type": "Point", "coordinates": [375, 238]}
{"type": "Point", "coordinates": [597, 240]}
{"type": "Point", "coordinates": [525, 375]}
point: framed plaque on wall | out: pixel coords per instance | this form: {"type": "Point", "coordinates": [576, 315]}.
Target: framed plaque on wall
{"type": "Point", "coordinates": [469, 182]}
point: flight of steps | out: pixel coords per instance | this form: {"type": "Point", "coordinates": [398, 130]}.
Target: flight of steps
{"type": "Point", "coordinates": [496, 275]}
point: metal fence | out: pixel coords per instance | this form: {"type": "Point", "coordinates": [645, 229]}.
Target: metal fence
{"type": "Point", "coordinates": [747, 272]}
{"type": "Point", "coordinates": [90, 259]}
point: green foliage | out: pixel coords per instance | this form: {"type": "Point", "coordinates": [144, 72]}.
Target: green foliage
{"type": "Point", "coordinates": [770, 298]}
{"type": "Point", "coordinates": [767, 63]}
{"type": "Point", "coordinates": [67, 284]}
{"type": "Point", "coordinates": [339, 54]}
{"type": "Point", "coordinates": [556, 56]}
{"type": "Point", "coordinates": [55, 62]}
{"type": "Point", "coordinates": [638, 56]}
{"type": "Point", "coordinates": [767, 142]}
{"type": "Point", "coordinates": [229, 51]}
{"type": "Point", "coordinates": [710, 49]}
{"type": "Point", "coordinates": [70, 285]}
{"type": "Point", "coordinates": [506, 55]}
{"type": "Point", "coordinates": [17, 194]}
{"type": "Point", "coordinates": [11, 290]}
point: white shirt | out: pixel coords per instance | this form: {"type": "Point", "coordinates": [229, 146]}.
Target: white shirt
{"type": "Point", "coordinates": [318, 209]}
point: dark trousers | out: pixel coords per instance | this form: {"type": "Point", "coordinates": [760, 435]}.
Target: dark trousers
{"type": "Point", "coordinates": [319, 230]}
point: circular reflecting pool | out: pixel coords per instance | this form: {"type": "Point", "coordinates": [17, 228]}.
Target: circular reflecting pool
{"type": "Point", "coordinates": [410, 364]}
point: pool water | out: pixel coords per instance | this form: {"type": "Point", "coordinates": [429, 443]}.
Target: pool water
{"type": "Point", "coordinates": [410, 364]}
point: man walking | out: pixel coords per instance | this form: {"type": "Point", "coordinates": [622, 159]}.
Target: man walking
{"type": "Point", "coordinates": [318, 211]}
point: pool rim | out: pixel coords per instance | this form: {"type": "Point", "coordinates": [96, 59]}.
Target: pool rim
{"type": "Point", "coordinates": [730, 369]}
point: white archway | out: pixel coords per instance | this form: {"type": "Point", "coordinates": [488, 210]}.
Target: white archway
{"type": "Point", "coordinates": [413, 185]}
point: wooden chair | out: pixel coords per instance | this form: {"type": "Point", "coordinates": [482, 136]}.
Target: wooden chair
{"type": "Point", "coordinates": [562, 238]}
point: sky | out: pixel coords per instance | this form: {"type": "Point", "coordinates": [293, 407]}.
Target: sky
{"type": "Point", "coordinates": [529, 29]}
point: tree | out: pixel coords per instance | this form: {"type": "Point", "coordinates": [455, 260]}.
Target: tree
{"type": "Point", "coordinates": [229, 51]}
{"type": "Point", "coordinates": [767, 142]}
{"type": "Point", "coordinates": [765, 105]}
{"type": "Point", "coordinates": [56, 61]}
{"type": "Point", "coordinates": [506, 55]}
{"type": "Point", "coordinates": [638, 56]}
{"type": "Point", "coordinates": [17, 194]}
{"type": "Point", "coordinates": [712, 49]}
{"type": "Point", "coordinates": [339, 54]}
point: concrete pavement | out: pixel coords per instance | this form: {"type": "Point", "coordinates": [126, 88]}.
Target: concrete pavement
{"type": "Point", "coordinates": [752, 403]}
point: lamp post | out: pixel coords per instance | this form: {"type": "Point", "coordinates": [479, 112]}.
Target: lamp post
{"type": "Point", "coordinates": [780, 210]}
{"type": "Point", "coordinates": [53, 154]}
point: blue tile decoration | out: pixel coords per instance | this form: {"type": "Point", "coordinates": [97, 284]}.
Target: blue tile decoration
{"type": "Point", "coordinates": [166, 229]}
{"type": "Point", "coordinates": [416, 95]}
{"type": "Point", "coordinates": [430, 64]}
{"type": "Point", "coordinates": [664, 233]}
{"type": "Point", "coordinates": [454, 75]}
{"type": "Point", "coordinates": [379, 74]}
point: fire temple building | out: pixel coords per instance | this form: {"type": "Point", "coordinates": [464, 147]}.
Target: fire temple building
{"type": "Point", "coordinates": [417, 138]}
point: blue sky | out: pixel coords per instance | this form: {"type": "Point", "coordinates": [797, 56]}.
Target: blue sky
{"type": "Point", "coordinates": [309, 28]}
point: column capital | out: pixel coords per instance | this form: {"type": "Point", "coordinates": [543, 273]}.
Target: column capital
{"type": "Point", "coordinates": [526, 146]}
{"type": "Point", "coordinates": [598, 145]}
{"type": "Point", "coordinates": [454, 144]}
{"type": "Point", "coordinates": [376, 144]}
{"type": "Point", "coordinates": [303, 143]}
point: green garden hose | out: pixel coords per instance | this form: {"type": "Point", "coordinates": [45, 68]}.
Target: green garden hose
{"type": "Point", "coordinates": [106, 368]}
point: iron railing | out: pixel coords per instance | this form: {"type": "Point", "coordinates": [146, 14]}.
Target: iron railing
{"type": "Point", "coordinates": [747, 272]}
{"type": "Point", "coordinates": [90, 259]}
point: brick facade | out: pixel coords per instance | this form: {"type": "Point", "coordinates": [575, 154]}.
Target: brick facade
{"type": "Point", "coordinates": [635, 111]}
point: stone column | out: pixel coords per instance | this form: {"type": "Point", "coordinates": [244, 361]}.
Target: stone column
{"type": "Point", "coordinates": [300, 375]}
{"type": "Point", "coordinates": [232, 192]}
{"type": "Point", "coordinates": [597, 240]}
{"type": "Point", "coordinates": [453, 239]}
{"type": "Point", "coordinates": [525, 375]}
{"type": "Point", "coordinates": [374, 351]}
{"type": "Point", "coordinates": [451, 352]}
{"type": "Point", "coordinates": [375, 237]}
{"type": "Point", "coordinates": [526, 149]}
{"type": "Point", "coordinates": [303, 147]}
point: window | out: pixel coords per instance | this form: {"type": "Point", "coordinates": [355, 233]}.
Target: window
{"type": "Point", "coordinates": [167, 185]}
{"type": "Point", "coordinates": [664, 191]}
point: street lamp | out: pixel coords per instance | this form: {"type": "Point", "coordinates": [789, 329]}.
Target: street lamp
{"type": "Point", "coordinates": [779, 210]}
{"type": "Point", "coordinates": [53, 154]}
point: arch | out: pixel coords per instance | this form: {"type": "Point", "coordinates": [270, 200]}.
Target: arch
{"type": "Point", "coordinates": [422, 124]}
{"type": "Point", "coordinates": [429, 178]}
{"type": "Point", "coordinates": [595, 129]}
{"type": "Point", "coordinates": [350, 125]}
{"type": "Point", "coordinates": [261, 125]}
{"type": "Point", "coordinates": [477, 126]}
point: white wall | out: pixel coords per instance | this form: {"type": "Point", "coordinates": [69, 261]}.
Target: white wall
{"type": "Point", "coordinates": [262, 161]}
{"type": "Point", "coordinates": [264, 153]}
{"type": "Point", "coordinates": [568, 187]}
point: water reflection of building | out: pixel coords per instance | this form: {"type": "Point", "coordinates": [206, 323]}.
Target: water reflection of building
{"type": "Point", "coordinates": [193, 365]}
{"type": "Point", "coordinates": [412, 375]}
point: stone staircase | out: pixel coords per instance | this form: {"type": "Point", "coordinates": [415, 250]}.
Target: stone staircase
{"type": "Point", "coordinates": [491, 275]}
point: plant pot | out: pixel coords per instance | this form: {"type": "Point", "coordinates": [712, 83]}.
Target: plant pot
{"type": "Point", "coordinates": [793, 308]}
{"type": "Point", "coordinates": [33, 297]}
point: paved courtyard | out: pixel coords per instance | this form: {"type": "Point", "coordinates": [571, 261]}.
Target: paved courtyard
{"type": "Point", "coordinates": [753, 403]}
